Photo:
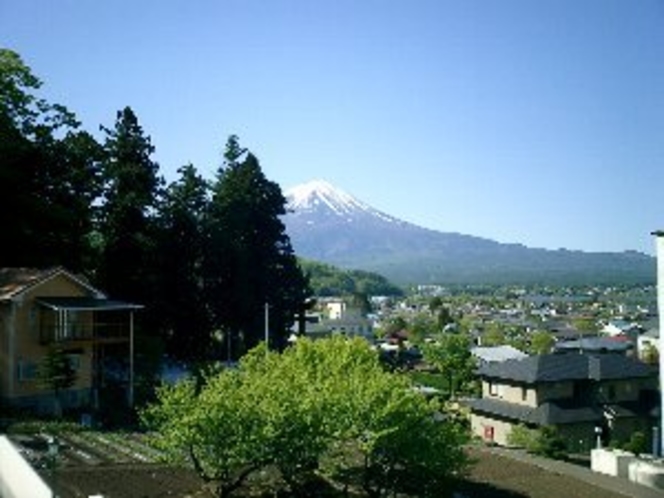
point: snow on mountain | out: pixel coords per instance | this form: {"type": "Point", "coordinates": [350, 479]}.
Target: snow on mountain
{"type": "Point", "coordinates": [319, 195]}
{"type": "Point", "coordinates": [326, 224]}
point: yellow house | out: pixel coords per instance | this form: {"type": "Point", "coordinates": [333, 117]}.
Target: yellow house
{"type": "Point", "coordinates": [41, 308]}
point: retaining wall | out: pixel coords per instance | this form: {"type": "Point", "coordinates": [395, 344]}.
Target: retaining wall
{"type": "Point", "coordinates": [644, 470]}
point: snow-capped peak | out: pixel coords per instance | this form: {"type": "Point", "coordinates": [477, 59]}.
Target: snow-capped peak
{"type": "Point", "coordinates": [311, 194]}
{"type": "Point", "coordinates": [319, 196]}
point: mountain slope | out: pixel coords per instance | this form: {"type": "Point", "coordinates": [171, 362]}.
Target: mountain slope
{"type": "Point", "coordinates": [329, 225]}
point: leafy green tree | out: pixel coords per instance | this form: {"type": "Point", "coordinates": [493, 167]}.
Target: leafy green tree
{"type": "Point", "coordinates": [250, 261]}
{"type": "Point", "coordinates": [444, 317]}
{"type": "Point", "coordinates": [56, 373]}
{"type": "Point", "coordinates": [296, 409]}
{"type": "Point", "coordinates": [421, 327]}
{"type": "Point", "coordinates": [48, 175]}
{"type": "Point", "coordinates": [584, 324]}
{"type": "Point", "coordinates": [494, 335]}
{"type": "Point", "coordinates": [394, 325]}
{"type": "Point", "coordinates": [541, 342]}
{"type": "Point", "coordinates": [450, 354]}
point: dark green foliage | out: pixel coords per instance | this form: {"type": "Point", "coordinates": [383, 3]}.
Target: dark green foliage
{"type": "Point", "coordinates": [320, 408]}
{"type": "Point", "coordinates": [450, 355]}
{"type": "Point", "coordinates": [249, 258]}
{"type": "Point", "coordinates": [130, 198]}
{"type": "Point", "coordinates": [56, 374]}
{"type": "Point", "coordinates": [182, 303]}
{"type": "Point", "coordinates": [327, 280]}
{"type": "Point", "coordinates": [550, 444]}
{"type": "Point", "coordinates": [543, 441]}
{"type": "Point", "coordinates": [637, 444]}
{"type": "Point", "coordinates": [48, 175]}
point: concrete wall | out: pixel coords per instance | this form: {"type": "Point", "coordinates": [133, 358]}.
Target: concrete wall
{"type": "Point", "coordinates": [17, 478]}
{"type": "Point", "coordinates": [641, 470]}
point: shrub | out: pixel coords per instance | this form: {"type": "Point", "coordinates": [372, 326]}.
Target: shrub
{"type": "Point", "coordinates": [637, 443]}
{"type": "Point", "coordinates": [550, 444]}
{"type": "Point", "coordinates": [523, 437]}
{"type": "Point", "coordinates": [544, 441]}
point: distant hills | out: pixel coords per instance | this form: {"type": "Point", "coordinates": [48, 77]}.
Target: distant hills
{"type": "Point", "coordinates": [328, 225]}
{"type": "Point", "coordinates": [327, 280]}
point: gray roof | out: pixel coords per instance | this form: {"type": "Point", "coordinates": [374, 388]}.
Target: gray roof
{"type": "Point", "coordinates": [567, 366]}
{"type": "Point", "coordinates": [558, 412]}
{"type": "Point", "coordinates": [598, 344]}
{"type": "Point", "coordinates": [497, 353]}
{"type": "Point", "coordinates": [86, 304]}
{"type": "Point", "coordinates": [548, 413]}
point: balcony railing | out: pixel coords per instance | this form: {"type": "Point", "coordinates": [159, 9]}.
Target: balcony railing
{"type": "Point", "coordinates": [99, 332]}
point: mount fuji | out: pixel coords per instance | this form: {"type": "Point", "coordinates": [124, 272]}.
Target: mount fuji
{"type": "Point", "coordinates": [328, 225]}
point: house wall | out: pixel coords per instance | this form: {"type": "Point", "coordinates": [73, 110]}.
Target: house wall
{"type": "Point", "coordinates": [512, 393]}
{"type": "Point", "coordinates": [24, 316]}
{"type": "Point", "coordinates": [490, 430]}
{"type": "Point", "coordinates": [335, 310]}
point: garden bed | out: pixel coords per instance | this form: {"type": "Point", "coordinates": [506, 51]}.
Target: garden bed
{"type": "Point", "coordinates": [123, 465]}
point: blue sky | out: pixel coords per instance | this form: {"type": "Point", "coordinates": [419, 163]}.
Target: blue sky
{"type": "Point", "coordinates": [534, 122]}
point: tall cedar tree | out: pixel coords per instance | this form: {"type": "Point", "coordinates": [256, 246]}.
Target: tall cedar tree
{"type": "Point", "coordinates": [250, 260]}
{"type": "Point", "coordinates": [47, 183]}
{"type": "Point", "coordinates": [182, 302]}
{"type": "Point", "coordinates": [127, 266]}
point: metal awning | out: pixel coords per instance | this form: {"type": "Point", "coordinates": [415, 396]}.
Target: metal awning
{"type": "Point", "coordinates": [86, 304]}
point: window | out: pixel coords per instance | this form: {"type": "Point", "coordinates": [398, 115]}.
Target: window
{"type": "Point", "coordinates": [493, 389]}
{"type": "Point", "coordinates": [524, 393]}
{"type": "Point", "coordinates": [27, 370]}
{"type": "Point", "coordinates": [75, 361]}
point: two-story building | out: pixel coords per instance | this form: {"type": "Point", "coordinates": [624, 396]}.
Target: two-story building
{"type": "Point", "coordinates": [43, 308]}
{"type": "Point", "coordinates": [579, 394]}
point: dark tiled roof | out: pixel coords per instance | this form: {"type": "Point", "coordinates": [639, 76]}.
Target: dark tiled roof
{"type": "Point", "coordinates": [549, 413]}
{"type": "Point", "coordinates": [596, 344]}
{"type": "Point", "coordinates": [567, 366]}
{"type": "Point", "coordinates": [558, 412]}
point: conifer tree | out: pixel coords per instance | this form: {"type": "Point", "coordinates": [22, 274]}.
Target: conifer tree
{"type": "Point", "coordinates": [251, 261]}
{"type": "Point", "coordinates": [182, 303]}
{"type": "Point", "coordinates": [127, 215]}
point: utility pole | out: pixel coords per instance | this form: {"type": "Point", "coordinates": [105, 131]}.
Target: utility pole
{"type": "Point", "coordinates": [267, 326]}
{"type": "Point", "coordinates": [659, 239]}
